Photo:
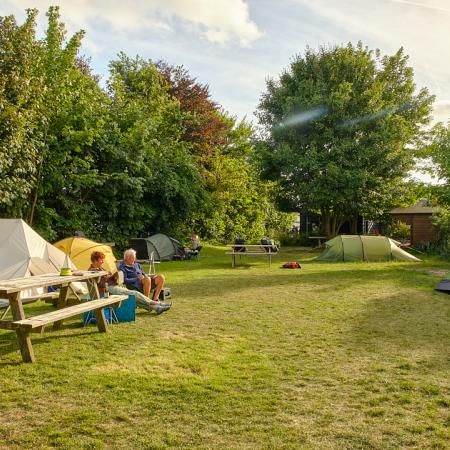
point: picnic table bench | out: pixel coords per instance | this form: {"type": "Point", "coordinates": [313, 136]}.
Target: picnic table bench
{"type": "Point", "coordinates": [319, 240]}
{"type": "Point", "coordinates": [4, 304]}
{"type": "Point", "coordinates": [250, 250]}
{"type": "Point", "coordinates": [23, 326]}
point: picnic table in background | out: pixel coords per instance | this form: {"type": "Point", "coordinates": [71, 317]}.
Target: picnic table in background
{"type": "Point", "coordinates": [251, 250]}
{"type": "Point", "coordinates": [319, 240]}
{"type": "Point", "coordinates": [12, 290]}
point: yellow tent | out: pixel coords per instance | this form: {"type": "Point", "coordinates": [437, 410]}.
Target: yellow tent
{"type": "Point", "coordinates": [79, 249]}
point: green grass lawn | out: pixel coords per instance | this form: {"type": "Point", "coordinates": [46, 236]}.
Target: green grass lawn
{"type": "Point", "coordinates": [332, 356]}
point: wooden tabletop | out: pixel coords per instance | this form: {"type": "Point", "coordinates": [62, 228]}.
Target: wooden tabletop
{"type": "Point", "coordinates": [250, 245]}
{"type": "Point", "coordinates": [48, 279]}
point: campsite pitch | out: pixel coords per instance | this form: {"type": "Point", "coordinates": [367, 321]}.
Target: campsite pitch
{"type": "Point", "coordinates": [330, 356]}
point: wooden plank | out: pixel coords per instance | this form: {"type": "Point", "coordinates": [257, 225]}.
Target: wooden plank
{"type": "Point", "coordinates": [7, 325]}
{"type": "Point", "coordinates": [40, 297]}
{"type": "Point", "coordinates": [251, 253]}
{"type": "Point", "coordinates": [70, 311]}
{"type": "Point", "coordinates": [49, 279]}
{"type": "Point", "coordinates": [250, 245]}
{"type": "Point", "coordinates": [26, 348]}
{"type": "Point", "coordinates": [61, 303]}
{"type": "Point", "coordinates": [101, 320]}
{"type": "Point", "coordinates": [48, 295]}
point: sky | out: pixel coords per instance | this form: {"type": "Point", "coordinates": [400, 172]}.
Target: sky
{"type": "Point", "coordinates": [234, 46]}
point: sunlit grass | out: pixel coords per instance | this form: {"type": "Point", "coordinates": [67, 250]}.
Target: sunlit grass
{"type": "Point", "coordinates": [331, 356]}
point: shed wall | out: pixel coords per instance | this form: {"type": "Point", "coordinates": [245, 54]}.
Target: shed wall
{"type": "Point", "coordinates": [421, 228]}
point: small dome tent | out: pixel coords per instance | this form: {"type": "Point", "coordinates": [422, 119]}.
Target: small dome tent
{"type": "Point", "coordinates": [364, 248]}
{"type": "Point", "coordinates": [80, 249]}
{"type": "Point", "coordinates": [163, 247]}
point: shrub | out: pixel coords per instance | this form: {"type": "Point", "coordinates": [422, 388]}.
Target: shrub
{"type": "Point", "coordinates": [441, 226]}
{"type": "Point", "coordinates": [400, 230]}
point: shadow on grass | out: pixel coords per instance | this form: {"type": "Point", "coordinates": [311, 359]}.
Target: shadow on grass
{"type": "Point", "coordinates": [9, 343]}
{"type": "Point", "coordinates": [321, 281]}
{"type": "Point", "coordinates": [407, 326]}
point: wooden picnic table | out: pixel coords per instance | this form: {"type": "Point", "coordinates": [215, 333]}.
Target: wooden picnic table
{"type": "Point", "coordinates": [12, 290]}
{"type": "Point", "coordinates": [319, 239]}
{"type": "Point", "coordinates": [250, 250]}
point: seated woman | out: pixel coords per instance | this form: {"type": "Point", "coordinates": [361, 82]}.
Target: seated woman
{"type": "Point", "coordinates": [136, 279]}
{"type": "Point", "coordinates": [97, 259]}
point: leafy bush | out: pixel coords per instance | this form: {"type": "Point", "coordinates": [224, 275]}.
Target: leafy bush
{"type": "Point", "coordinates": [400, 230]}
{"type": "Point", "coordinates": [441, 226]}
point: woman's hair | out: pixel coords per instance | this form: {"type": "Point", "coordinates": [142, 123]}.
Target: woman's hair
{"type": "Point", "coordinates": [128, 252]}
{"type": "Point", "coordinates": [95, 256]}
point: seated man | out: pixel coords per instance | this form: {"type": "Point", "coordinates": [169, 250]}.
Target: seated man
{"type": "Point", "coordinates": [194, 247]}
{"type": "Point", "coordinates": [97, 259]}
{"type": "Point", "coordinates": [136, 279]}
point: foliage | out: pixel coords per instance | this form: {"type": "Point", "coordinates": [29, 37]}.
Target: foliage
{"type": "Point", "coordinates": [59, 108]}
{"type": "Point", "coordinates": [151, 181]}
{"type": "Point", "coordinates": [400, 230]}
{"type": "Point", "coordinates": [204, 126]}
{"type": "Point", "coordinates": [20, 109]}
{"type": "Point", "coordinates": [236, 207]}
{"type": "Point", "coordinates": [339, 125]}
{"type": "Point", "coordinates": [238, 202]}
{"type": "Point", "coordinates": [438, 149]}
{"type": "Point", "coordinates": [441, 227]}
{"type": "Point", "coordinates": [151, 152]}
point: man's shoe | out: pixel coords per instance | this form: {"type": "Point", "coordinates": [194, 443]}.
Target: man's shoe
{"type": "Point", "coordinates": [161, 308]}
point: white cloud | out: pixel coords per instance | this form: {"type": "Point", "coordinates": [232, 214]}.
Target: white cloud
{"type": "Point", "coordinates": [424, 4]}
{"type": "Point", "coordinates": [218, 21]}
{"type": "Point", "coordinates": [420, 26]}
{"type": "Point", "coordinates": [442, 110]}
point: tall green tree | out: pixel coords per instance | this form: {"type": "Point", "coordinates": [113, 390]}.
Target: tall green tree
{"type": "Point", "coordinates": [53, 112]}
{"type": "Point", "coordinates": [438, 149]}
{"type": "Point", "coordinates": [339, 125]}
{"type": "Point", "coordinates": [150, 180]}
{"type": "Point", "coordinates": [21, 90]}
{"type": "Point", "coordinates": [238, 202]}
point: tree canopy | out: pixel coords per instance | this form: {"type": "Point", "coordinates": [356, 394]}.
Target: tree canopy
{"type": "Point", "coordinates": [339, 125]}
{"type": "Point", "coordinates": [151, 152]}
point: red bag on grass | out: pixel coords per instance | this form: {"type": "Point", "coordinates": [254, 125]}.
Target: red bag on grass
{"type": "Point", "coordinates": [291, 265]}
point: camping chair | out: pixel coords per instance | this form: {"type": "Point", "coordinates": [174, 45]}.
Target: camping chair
{"type": "Point", "coordinates": [193, 254]}
{"type": "Point", "coordinates": [151, 267]}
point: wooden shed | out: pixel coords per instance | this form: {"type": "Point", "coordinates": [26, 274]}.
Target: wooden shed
{"type": "Point", "coordinates": [419, 218]}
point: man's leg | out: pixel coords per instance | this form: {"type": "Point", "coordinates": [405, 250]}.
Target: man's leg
{"type": "Point", "coordinates": [141, 300]}
{"type": "Point", "coordinates": [158, 284]}
{"type": "Point", "coordinates": [146, 286]}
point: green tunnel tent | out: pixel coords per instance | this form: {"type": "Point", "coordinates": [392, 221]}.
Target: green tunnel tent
{"type": "Point", "coordinates": [364, 248]}
{"type": "Point", "coordinates": [163, 247]}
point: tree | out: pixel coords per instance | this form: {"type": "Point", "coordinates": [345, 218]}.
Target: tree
{"type": "Point", "coordinates": [438, 149]}
{"type": "Point", "coordinates": [53, 111]}
{"type": "Point", "coordinates": [204, 126]}
{"type": "Point", "coordinates": [238, 201]}
{"type": "Point", "coordinates": [150, 181]}
{"type": "Point", "coordinates": [339, 125]}
{"type": "Point", "coordinates": [20, 107]}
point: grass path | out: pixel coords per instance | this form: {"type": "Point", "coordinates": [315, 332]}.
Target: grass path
{"type": "Point", "coordinates": [332, 356]}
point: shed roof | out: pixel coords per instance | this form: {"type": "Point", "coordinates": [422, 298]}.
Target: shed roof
{"type": "Point", "coordinates": [414, 210]}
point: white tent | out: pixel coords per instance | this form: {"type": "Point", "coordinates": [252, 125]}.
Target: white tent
{"type": "Point", "coordinates": [24, 253]}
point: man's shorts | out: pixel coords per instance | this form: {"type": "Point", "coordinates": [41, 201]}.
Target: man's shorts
{"type": "Point", "coordinates": [136, 288]}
